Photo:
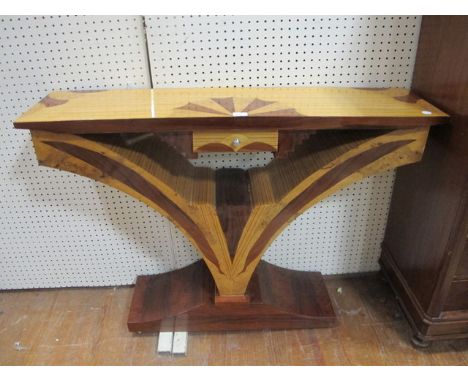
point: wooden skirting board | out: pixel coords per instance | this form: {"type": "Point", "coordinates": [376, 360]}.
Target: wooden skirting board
{"type": "Point", "coordinates": [230, 215]}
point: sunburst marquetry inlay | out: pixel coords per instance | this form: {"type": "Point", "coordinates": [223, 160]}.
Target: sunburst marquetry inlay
{"type": "Point", "coordinates": [232, 106]}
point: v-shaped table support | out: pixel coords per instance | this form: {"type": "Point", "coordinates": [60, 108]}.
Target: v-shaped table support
{"type": "Point", "coordinates": [231, 216]}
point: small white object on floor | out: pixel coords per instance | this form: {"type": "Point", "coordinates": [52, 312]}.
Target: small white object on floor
{"type": "Point", "coordinates": [179, 345]}
{"type": "Point", "coordinates": [165, 342]}
{"type": "Point", "coordinates": [19, 346]}
{"type": "Point", "coordinates": [172, 343]}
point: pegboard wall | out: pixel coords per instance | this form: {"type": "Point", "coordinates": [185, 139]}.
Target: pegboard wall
{"type": "Point", "coordinates": [59, 229]}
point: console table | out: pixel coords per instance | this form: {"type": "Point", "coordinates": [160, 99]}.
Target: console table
{"type": "Point", "coordinates": [140, 142]}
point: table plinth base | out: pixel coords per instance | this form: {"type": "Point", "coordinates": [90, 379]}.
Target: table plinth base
{"type": "Point", "coordinates": [184, 300]}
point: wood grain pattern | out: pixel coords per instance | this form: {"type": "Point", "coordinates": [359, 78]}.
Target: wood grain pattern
{"type": "Point", "coordinates": [144, 110]}
{"type": "Point", "coordinates": [233, 204]}
{"type": "Point", "coordinates": [288, 140]}
{"type": "Point", "coordinates": [222, 141]}
{"type": "Point", "coordinates": [231, 123]}
{"type": "Point", "coordinates": [333, 177]}
{"type": "Point", "coordinates": [231, 216]}
{"type": "Point", "coordinates": [277, 298]}
{"type": "Point", "coordinates": [88, 326]}
{"type": "Point", "coordinates": [280, 185]}
{"type": "Point", "coordinates": [182, 141]}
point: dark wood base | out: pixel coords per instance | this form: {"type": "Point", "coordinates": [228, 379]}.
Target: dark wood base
{"type": "Point", "coordinates": [448, 326]}
{"type": "Point", "coordinates": [184, 300]}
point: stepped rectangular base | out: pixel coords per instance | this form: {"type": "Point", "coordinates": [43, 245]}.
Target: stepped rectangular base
{"type": "Point", "coordinates": [184, 300]}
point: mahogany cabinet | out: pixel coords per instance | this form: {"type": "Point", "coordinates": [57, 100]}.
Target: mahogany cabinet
{"type": "Point", "coordinates": [425, 251]}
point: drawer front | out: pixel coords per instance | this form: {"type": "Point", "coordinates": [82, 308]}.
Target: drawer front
{"type": "Point", "coordinates": [458, 296]}
{"type": "Point", "coordinates": [235, 140]}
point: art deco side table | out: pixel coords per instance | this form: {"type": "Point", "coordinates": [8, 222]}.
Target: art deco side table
{"type": "Point", "coordinates": [140, 142]}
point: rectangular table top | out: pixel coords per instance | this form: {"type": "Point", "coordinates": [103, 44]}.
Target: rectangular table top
{"type": "Point", "coordinates": [139, 110]}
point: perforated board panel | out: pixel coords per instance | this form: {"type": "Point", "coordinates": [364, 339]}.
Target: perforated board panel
{"type": "Point", "coordinates": [59, 229]}
{"type": "Point", "coordinates": [56, 228]}
{"type": "Point", "coordinates": [215, 51]}
{"type": "Point", "coordinates": [343, 233]}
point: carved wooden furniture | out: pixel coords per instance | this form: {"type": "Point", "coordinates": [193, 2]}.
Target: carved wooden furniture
{"type": "Point", "coordinates": [425, 252]}
{"type": "Point", "coordinates": [139, 141]}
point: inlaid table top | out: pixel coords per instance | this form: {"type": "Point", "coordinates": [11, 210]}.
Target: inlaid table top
{"type": "Point", "coordinates": [139, 110]}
